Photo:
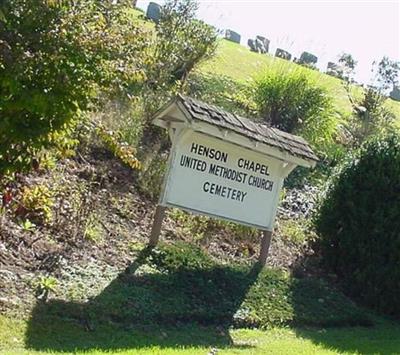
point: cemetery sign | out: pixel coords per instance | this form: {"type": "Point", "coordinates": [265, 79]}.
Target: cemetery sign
{"type": "Point", "coordinates": [227, 166]}
{"type": "Point", "coordinates": [224, 165]}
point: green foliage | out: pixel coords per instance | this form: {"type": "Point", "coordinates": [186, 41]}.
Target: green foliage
{"type": "Point", "coordinates": [201, 228]}
{"type": "Point", "coordinates": [297, 231]}
{"type": "Point", "coordinates": [349, 64]}
{"type": "Point", "coordinates": [44, 286]}
{"type": "Point", "coordinates": [93, 230]}
{"type": "Point", "coordinates": [370, 116]}
{"type": "Point", "coordinates": [359, 223]}
{"type": "Point", "coordinates": [27, 225]}
{"type": "Point", "coordinates": [120, 149]}
{"type": "Point", "coordinates": [222, 91]}
{"type": "Point", "coordinates": [54, 58]}
{"type": "Point", "coordinates": [181, 42]}
{"type": "Point", "coordinates": [387, 73]}
{"type": "Point", "coordinates": [347, 60]}
{"type": "Point", "coordinates": [180, 256]}
{"type": "Point", "coordinates": [293, 102]}
{"type": "Point", "coordinates": [36, 204]}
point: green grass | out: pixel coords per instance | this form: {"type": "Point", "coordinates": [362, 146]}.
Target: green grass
{"type": "Point", "coordinates": [176, 296]}
{"type": "Point", "coordinates": [191, 339]}
{"type": "Point", "coordinates": [239, 64]}
{"type": "Point", "coordinates": [177, 300]}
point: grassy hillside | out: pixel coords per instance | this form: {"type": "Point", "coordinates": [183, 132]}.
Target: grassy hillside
{"type": "Point", "coordinates": [240, 64]}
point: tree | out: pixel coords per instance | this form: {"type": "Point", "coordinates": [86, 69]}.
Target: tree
{"type": "Point", "coordinates": [349, 64]}
{"type": "Point", "coordinates": [56, 56]}
{"type": "Point", "coordinates": [387, 73]}
{"type": "Point", "coordinates": [182, 42]}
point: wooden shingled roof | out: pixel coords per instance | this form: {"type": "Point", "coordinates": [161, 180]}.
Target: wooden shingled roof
{"type": "Point", "coordinates": [289, 143]}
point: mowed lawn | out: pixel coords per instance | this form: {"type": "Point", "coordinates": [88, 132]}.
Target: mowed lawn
{"type": "Point", "coordinates": [240, 64]}
{"type": "Point", "coordinates": [383, 338]}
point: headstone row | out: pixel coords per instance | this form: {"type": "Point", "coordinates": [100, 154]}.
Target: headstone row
{"type": "Point", "coordinates": [259, 45]}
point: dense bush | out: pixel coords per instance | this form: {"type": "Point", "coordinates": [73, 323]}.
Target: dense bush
{"type": "Point", "coordinates": [359, 225]}
{"type": "Point", "coordinates": [54, 56]}
{"type": "Point", "coordinates": [181, 42]}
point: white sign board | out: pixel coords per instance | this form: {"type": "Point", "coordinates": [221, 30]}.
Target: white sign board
{"type": "Point", "coordinates": [221, 179]}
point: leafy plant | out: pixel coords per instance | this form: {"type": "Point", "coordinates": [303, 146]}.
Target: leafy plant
{"type": "Point", "coordinates": [36, 204]}
{"type": "Point", "coordinates": [387, 73]}
{"type": "Point", "coordinates": [182, 42]}
{"type": "Point", "coordinates": [27, 225]}
{"type": "Point", "coordinates": [55, 57]}
{"type": "Point", "coordinates": [370, 115]}
{"type": "Point", "coordinates": [120, 149]}
{"type": "Point", "coordinates": [295, 231]}
{"type": "Point", "coordinates": [93, 230]}
{"type": "Point", "coordinates": [44, 286]}
{"type": "Point", "coordinates": [359, 223]}
{"type": "Point", "coordinates": [349, 64]}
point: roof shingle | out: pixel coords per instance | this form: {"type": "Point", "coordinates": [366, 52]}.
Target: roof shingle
{"type": "Point", "coordinates": [273, 137]}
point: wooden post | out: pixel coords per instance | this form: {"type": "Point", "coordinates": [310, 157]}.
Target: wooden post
{"type": "Point", "coordinates": [265, 243]}
{"type": "Point", "coordinates": [157, 223]}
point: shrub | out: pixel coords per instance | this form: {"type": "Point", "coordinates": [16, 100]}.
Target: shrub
{"type": "Point", "coordinates": [371, 116]}
{"type": "Point", "coordinates": [180, 256]}
{"type": "Point", "coordinates": [291, 101]}
{"type": "Point", "coordinates": [119, 148]}
{"type": "Point", "coordinates": [36, 204]}
{"type": "Point", "coordinates": [182, 42]}
{"type": "Point", "coordinates": [54, 57]}
{"type": "Point", "coordinates": [359, 225]}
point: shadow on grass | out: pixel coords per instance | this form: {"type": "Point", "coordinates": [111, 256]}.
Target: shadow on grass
{"type": "Point", "coordinates": [184, 307]}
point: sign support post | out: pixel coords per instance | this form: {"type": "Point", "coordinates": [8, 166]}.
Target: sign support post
{"type": "Point", "coordinates": [264, 247]}
{"type": "Point", "coordinates": [157, 223]}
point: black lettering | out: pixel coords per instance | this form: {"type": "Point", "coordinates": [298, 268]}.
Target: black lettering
{"type": "Point", "coordinates": [212, 189]}
{"type": "Point", "coordinates": [206, 186]}
{"type": "Point", "coordinates": [194, 148]}
{"type": "Point", "coordinates": [223, 193]}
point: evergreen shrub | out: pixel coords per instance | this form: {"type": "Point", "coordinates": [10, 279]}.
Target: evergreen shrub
{"type": "Point", "coordinates": [359, 225]}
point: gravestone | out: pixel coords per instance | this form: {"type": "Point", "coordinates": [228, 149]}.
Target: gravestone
{"type": "Point", "coordinates": [252, 44]}
{"type": "Point", "coordinates": [232, 36]}
{"type": "Point", "coordinates": [395, 93]}
{"type": "Point", "coordinates": [281, 53]}
{"type": "Point", "coordinates": [263, 44]}
{"type": "Point", "coordinates": [153, 12]}
{"type": "Point", "coordinates": [308, 58]}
